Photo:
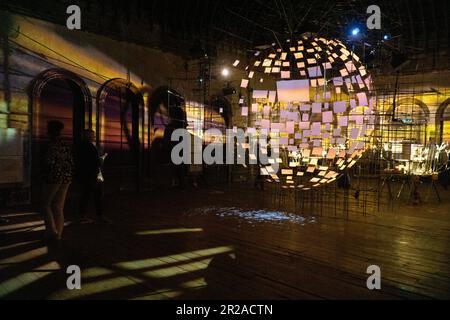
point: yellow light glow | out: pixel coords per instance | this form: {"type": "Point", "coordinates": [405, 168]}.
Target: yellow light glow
{"type": "Point", "coordinates": [161, 261]}
{"type": "Point", "coordinates": [168, 231]}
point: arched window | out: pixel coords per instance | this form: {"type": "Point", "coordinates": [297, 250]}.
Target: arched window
{"type": "Point", "coordinates": [443, 122]}
{"type": "Point", "coordinates": [408, 123]}
{"type": "Point", "coordinates": [119, 129]}
{"type": "Point", "coordinates": [56, 94]}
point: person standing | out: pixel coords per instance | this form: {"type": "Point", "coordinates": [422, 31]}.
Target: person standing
{"type": "Point", "coordinates": [58, 165]}
{"type": "Point", "coordinates": [89, 174]}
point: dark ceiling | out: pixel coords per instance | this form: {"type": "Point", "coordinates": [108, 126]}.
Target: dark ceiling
{"type": "Point", "coordinates": [415, 25]}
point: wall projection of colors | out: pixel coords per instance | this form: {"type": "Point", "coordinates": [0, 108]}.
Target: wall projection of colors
{"type": "Point", "coordinates": [316, 102]}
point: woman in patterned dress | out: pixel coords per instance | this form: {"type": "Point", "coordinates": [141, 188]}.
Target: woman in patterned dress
{"type": "Point", "coordinates": [58, 173]}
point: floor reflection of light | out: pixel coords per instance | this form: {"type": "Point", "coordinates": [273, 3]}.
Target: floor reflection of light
{"type": "Point", "coordinates": [96, 272]}
{"type": "Point", "coordinates": [25, 279]}
{"type": "Point", "coordinates": [96, 287]}
{"type": "Point", "coordinates": [193, 284]}
{"type": "Point", "coordinates": [14, 215]}
{"type": "Point", "coordinates": [160, 295]}
{"type": "Point", "coordinates": [178, 270]}
{"type": "Point", "coordinates": [168, 231]}
{"type": "Point", "coordinates": [23, 257]}
{"type": "Point", "coordinates": [18, 245]}
{"type": "Point", "coordinates": [257, 215]}
{"type": "Point", "coordinates": [161, 261]}
{"type": "Point", "coordinates": [14, 227]}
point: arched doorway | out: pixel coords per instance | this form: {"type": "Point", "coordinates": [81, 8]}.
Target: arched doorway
{"type": "Point", "coordinates": [56, 95]}
{"type": "Point", "coordinates": [120, 133]}
{"type": "Point", "coordinates": [443, 122]}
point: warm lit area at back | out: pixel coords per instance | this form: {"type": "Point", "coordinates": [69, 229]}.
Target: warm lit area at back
{"type": "Point", "coordinates": [224, 151]}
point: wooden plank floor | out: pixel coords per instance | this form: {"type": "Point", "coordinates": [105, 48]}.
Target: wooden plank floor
{"type": "Point", "coordinates": [213, 245]}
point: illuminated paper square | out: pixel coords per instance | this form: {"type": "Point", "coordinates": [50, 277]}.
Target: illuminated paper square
{"type": "Point", "coordinates": [317, 152]}
{"type": "Point", "coordinates": [359, 120]}
{"type": "Point", "coordinates": [265, 124]}
{"type": "Point", "coordinates": [311, 169]}
{"type": "Point", "coordinates": [339, 107]}
{"type": "Point", "coordinates": [305, 107]}
{"type": "Point", "coordinates": [286, 75]}
{"type": "Point", "coordinates": [290, 127]}
{"type": "Point", "coordinates": [293, 91]}
{"type": "Point", "coordinates": [267, 63]}
{"type": "Point", "coordinates": [331, 154]}
{"type": "Point", "coordinates": [244, 112]}
{"type": "Point", "coordinates": [305, 117]}
{"type": "Point", "coordinates": [260, 94]}
{"type": "Point", "coordinates": [287, 172]}
{"type": "Point", "coordinates": [236, 63]}
{"type": "Point", "coordinates": [343, 121]}
{"type": "Point", "coordinates": [350, 66]}
{"type": "Point", "coordinates": [272, 96]}
{"type": "Point", "coordinates": [306, 153]}
{"type": "Point", "coordinates": [327, 117]}
{"type": "Point", "coordinates": [316, 128]}
{"type": "Point", "coordinates": [344, 72]}
{"type": "Point", "coordinates": [293, 116]}
{"type": "Point", "coordinates": [278, 126]}
{"type": "Point", "coordinates": [314, 72]}
{"type": "Point", "coordinates": [304, 125]}
{"type": "Point", "coordinates": [362, 99]}
{"type": "Point", "coordinates": [244, 83]}
{"type": "Point", "coordinates": [316, 108]}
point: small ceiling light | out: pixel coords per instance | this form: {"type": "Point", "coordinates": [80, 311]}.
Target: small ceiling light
{"type": "Point", "coordinates": [356, 31]}
{"type": "Point", "coordinates": [225, 72]}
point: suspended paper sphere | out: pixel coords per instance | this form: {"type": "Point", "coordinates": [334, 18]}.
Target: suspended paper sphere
{"type": "Point", "coordinates": [314, 98]}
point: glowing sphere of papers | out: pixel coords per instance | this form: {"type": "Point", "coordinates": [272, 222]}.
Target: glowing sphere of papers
{"type": "Point", "coordinates": [319, 101]}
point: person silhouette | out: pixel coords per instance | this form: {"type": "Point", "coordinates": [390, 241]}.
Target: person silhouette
{"type": "Point", "coordinates": [58, 165]}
